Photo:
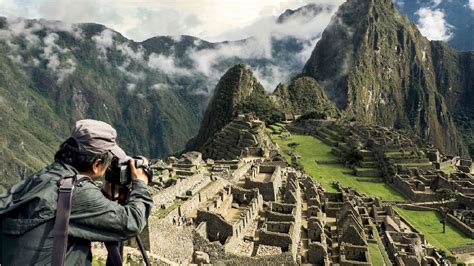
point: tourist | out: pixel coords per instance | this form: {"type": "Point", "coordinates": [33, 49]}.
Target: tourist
{"type": "Point", "coordinates": [26, 239]}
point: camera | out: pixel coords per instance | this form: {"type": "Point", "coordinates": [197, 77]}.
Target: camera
{"type": "Point", "coordinates": [119, 173]}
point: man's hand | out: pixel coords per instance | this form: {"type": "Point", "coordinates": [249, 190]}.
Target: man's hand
{"type": "Point", "coordinates": [138, 174]}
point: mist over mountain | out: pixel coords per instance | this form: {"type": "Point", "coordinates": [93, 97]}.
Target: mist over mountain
{"type": "Point", "coordinates": [371, 63]}
{"type": "Point", "coordinates": [154, 92]}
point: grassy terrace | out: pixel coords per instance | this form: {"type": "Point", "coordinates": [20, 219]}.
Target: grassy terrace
{"type": "Point", "coordinates": [375, 254]}
{"type": "Point", "coordinates": [312, 149]}
{"type": "Point", "coordinates": [428, 223]}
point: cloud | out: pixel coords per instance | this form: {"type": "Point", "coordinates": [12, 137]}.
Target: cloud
{"type": "Point", "coordinates": [167, 65]}
{"type": "Point", "coordinates": [433, 25]}
{"type": "Point", "coordinates": [53, 54]}
{"type": "Point", "coordinates": [134, 54]}
{"type": "Point", "coordinates": [214, 20]}
{"type": "Point", "coordinates": [143, 19]}
{"type": "Point", "coordinates": [307, 50]}
{"type": "Point", "coordinates": [471, 4]}
{"type": "Point", "coordinates": [161, 87]}
{"type": "Point", "coordinates": [134, 75]}
{"type": "Point", "coordinates": [104, 40]}
{"type": "Point", "coordinates": [270, 76]}
{"type": "Point", "coordinates": [131, 87]}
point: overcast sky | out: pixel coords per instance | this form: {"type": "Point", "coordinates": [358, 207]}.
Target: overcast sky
{"type": "Point", "coordinates": [213, 20]}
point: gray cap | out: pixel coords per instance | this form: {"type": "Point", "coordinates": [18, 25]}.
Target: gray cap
{"type": "Point", "coordinates": [97, 137]}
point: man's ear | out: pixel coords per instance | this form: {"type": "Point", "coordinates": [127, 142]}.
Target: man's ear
{"type": "Point", "coordinates": [96, 166]}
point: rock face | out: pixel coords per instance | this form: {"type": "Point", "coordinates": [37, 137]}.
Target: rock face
{"type": "Point", "coordinates": [377, 68]}
{"type": "Point", "coordinates": [234, 88]}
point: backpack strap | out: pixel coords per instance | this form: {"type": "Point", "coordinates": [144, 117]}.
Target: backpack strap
{"type": "Point", "coordinates": [61, 224]}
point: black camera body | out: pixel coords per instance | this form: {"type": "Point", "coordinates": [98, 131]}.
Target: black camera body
{"type": "Point", "coordinates": [120, 173]}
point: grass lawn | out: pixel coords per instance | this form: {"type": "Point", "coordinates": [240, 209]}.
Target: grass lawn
{"type": "Point", "coordinates": [428, 223]}
{"type": "Point", "coordinates": [311, 149]}
{"type": "Point", "coordinates": [375, 254]}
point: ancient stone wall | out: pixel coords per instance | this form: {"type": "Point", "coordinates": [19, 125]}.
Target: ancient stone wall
{"type": "Point", "coordinates": [465, 200]}
{"type": "Point", "coordinates": [168, 195]}
{"type": "Point", "coordinates": [461, 226]}
{"type": "Point", "coordinates": [281, 217]}
{"type": "Point", "coordinates": [218, 256]}
{"type": "Point", "coordinates": [406, 189]}
{"type": "Point", "coordinates": [268, 188]}
{"type": "Point", "coordinates": [217, 228]}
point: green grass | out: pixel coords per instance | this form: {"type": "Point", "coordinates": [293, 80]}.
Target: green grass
{"type": "Point", "coordinates": [428, 223]}
{"type": "Point", "coordinates": [161, 213]}
{"type": "Point", "coordinates": [396, 154]}
{"type": "Point", "coordinates": [311, 149]}
{"type": "Point", "coordinates": [375, 254]}
{"type": "Point", "coordinates": [448, 169]}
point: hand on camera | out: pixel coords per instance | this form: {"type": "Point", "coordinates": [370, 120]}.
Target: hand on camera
{"type": "Point", "coordinates": [138, 174]}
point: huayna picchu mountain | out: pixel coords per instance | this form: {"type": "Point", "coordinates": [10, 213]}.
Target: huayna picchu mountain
{"type": "Point", "coordinates": [378, 68]}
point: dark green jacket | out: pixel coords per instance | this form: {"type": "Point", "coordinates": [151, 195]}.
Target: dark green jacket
{"type": "Point", "coordinates": [28, 209]}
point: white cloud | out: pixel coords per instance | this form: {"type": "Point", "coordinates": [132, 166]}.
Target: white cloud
{"type": "Point", "coordinates": [128, 51]}
{"type": "Point", "coordinates": [104, 40]}
{"type": "Point", "coordinates": [142, 19]}
{"type": "Point", "coordinates": [471, 4]}
{"type": "Point", "coordinates": [433, 25]}
{"type": "Point", "coordinates": [167, 65]}
{"type": "Point", "coordinates": [131, 87]}
{"type": "Point", "coordinates": [161, 87]}
{"type": "Point", "coordinates": [134, 75]}
{"type": "Point", "coordinates": [271, 76]}
{"type": "Point", "coordinates": [308, 48]}
{"type": "Point", "coordinates": [53, 54]}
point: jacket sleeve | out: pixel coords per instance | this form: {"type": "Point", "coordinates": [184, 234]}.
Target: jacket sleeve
{"type": "Point", "coordinates": [96, 218]}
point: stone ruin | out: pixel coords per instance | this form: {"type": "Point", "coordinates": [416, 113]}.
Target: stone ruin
{"type": "Point", "coordinates": [262, 211]}
{"type": "Point", "coordinates": [244, 136]}
{"type": "Point", "coordinates": [404, 162]}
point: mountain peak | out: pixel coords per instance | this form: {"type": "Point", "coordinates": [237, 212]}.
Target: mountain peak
{"type": "Point", "coordinates": [308, 11]}
{"type": "Point", "coordinates": [378, 68]}
{"type": "Point", "coordinates": [235, 86]}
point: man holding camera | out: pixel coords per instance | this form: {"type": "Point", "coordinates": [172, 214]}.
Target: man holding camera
{"type": "Point", "coordinates": [29, 210]}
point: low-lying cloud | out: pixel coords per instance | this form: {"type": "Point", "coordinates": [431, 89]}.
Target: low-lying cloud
{"type": "Point", "coordinates": [58, 60]}
{"type": "Point", "coordinates": [433, 25]}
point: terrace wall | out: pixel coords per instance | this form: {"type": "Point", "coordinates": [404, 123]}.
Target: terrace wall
{"type": "Point", "coordinates": [461, 226]}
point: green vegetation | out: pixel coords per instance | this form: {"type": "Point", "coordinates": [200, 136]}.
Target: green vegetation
{"type": "Point", "coordinates": [381, 249]}
{"type": "Point", "coordinates": [98, 262]}
{"type": "Point", "coordinates": [428, 223]}
{"type": "Point", "coordinates": [448, 169]}
{"type": "Point", "coordinates": [375, 254]}
{"type": "Point", "coordinates": [312, 149]}
{"type": "Point", "coordinates": [161, 213]}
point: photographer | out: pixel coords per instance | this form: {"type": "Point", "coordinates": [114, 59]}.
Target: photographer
{"type": "Point", "coordinates": [28, 210]}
